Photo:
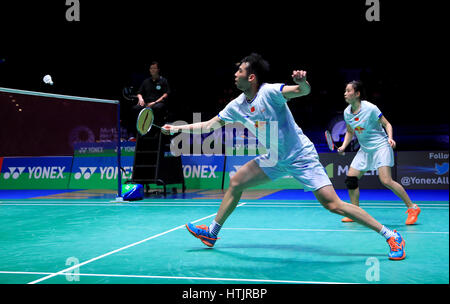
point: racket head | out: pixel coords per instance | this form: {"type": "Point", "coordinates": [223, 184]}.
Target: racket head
{"type": "Point", "coordinates": [144, 121]}
{"type": "Point", "coordinates": [329, 140]}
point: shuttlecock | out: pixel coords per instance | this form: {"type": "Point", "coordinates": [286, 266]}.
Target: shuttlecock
{"type": "Point", "coordinates": [48, 79]}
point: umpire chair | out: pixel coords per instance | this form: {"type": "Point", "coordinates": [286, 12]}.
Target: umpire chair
{"type": "Point", "coordinates": [153, 163]}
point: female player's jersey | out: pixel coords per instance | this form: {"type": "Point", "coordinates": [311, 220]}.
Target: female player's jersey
{"type": "Point", "coordinates": [366, 125]}
{"type": "Point", "coordinates": [268, 112]}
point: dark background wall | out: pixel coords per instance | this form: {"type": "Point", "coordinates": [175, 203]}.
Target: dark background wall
{"type": "Point", "coordinates": [199, 42]}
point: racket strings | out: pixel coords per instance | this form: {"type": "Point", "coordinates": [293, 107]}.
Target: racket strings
{"type": "Point", "coordinates": [329, 140]}
{"type": "Point", "coordinates": [145, 121]}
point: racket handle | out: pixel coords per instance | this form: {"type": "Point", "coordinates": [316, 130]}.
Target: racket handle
{"type": "Point", "coordinates": [161, 128]}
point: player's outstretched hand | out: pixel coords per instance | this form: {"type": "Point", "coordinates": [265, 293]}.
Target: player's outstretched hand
{"type": "Point", "coordinates": [167, 129]}
{"type": "Point", "coordinates": [299, 76]}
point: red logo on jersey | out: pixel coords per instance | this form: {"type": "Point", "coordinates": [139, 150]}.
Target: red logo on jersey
{"type": "Point", "coordinates": [260, 124]}
{"type": "Point", "coordinates": [252, 109]}
{"type": "Point", "coordinates": [356, 118]}
{"type": "Point", "coordinates": [359, 129]}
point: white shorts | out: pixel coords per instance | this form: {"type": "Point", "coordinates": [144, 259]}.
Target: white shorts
{"type": "Point", "coordinates": [366, 161]}
{"type": "Point", "coordinates": [306, 169]}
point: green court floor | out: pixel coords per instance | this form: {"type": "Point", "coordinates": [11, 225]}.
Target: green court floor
{"type": "Point", "coordinates": [93, 241]}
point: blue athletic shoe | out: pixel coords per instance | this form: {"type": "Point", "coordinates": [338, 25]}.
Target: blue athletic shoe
{"type": "Point", "coordinates": [202, 232]}
{"type": "Point", "coordinates": [397, 245]}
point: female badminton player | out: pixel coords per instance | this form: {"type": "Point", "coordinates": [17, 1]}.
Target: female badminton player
{"type": "Point", "coordinates": [296, 154]}
{"type": "Point", "coordinates": [376, 148]}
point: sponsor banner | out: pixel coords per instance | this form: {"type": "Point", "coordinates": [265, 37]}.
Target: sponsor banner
{"type": "Point", "coordinates": [338, 165]}
{"type": "Point", "coordinates": [99, 172]}
{"type": "Point", "coordinates": [203, 172]}
{"type": "Point", "coordinates": [52, 172]}
{"type": "Point", "coordinates": [103, 149]}
{"type": "Point", "coordinates": [423, 169]}
{"type": "Point", "coordinates": [235, 162]}
{"type": "Point", "coordinates": [196, 172]}
{"type": "Point", "coordinates": [95, 167]}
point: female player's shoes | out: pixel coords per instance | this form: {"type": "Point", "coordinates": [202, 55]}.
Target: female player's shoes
{"type": "Point", "coordinates": [202, 232]}
{"type": "Point", "coordinates": [413, 214]}
{"type": "Point", "coordinates": [346, 220]}
{"type": "Point", "coordinates": [397, 246]}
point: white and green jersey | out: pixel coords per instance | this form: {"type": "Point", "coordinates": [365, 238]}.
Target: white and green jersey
{"type": "Point", "coordinates": [269, 107]}
{"type": "Point", "coordinates": [367, 127]}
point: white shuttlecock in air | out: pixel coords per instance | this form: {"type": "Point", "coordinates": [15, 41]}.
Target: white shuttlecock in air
{"type": "Point", "coordinates": [48, 79]}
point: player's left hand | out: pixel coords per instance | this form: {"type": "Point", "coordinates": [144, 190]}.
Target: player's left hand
{"type": "Point", "coordinates": [341, 150]}
{"type": "Point", "coordinates": [299, 76]}
{"type": "Point", "coordinates": [392, 143]}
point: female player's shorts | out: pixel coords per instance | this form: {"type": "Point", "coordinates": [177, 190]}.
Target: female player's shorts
{"type": "Point", "coordinates": [366, 161]}
{"type": "Point", "coordinates": [306, 169]}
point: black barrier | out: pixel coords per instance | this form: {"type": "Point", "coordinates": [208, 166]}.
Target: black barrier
{"type": "Point", "coordinates": [413, 170]}
{"type": "Point", "coordinates": [337, 167]}
{"type": "Point", "coordinates": [423, 169]}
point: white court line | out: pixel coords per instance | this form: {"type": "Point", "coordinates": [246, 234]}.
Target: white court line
{"type": "Point", "coordinates": [317, 203]}
{"type": "Point", "coordinates": [107, 205]}
{"type": "Point", "coordinates": [331, 230]}
{"type": "Point", "coordinates": [362, 206]}
{"type": "Point", "coordinates": [199, 202]}
{"type": "Point", "coordinates": [215, 204]}
{"type": "Point", "coordinates": [118, 250]}
{"type": "Point", "coordinates": [172, 277]}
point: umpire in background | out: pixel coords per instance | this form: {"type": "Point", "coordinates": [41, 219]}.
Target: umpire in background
{"type": "Point", "coordinates": [153, 92]}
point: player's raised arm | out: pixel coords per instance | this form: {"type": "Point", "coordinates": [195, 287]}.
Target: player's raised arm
{"type": "Point", "coordinates": [301, 88]}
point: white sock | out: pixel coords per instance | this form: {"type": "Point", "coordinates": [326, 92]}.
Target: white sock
{"type": "Point", "coordinates": [386, 232]}
{"type": "Point", "coordinates": [413, 207]}
{"type": "Point", "coordinates": [214, 228]}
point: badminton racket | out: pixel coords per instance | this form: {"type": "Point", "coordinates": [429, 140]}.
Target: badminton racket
{"type": "Point", "coordinates": [330, 141]}
{"type": "Point", "coordinates": [145, 121]}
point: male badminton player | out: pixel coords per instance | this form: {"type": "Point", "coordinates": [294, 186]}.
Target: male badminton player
{"type": "Point", "coordinates": [297, 156]}
{"type": "Point", "coordinates": [365, 120]}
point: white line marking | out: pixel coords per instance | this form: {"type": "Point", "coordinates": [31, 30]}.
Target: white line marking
{"type": "Point", "coordinates": [120, 249]}
{"type": "Point", "coordinates": [330, 230]}
{"type": "Point", "coordinates": [362, 206]}
{"type": "Point", "coordinates": [362, 203]}
{"type": "Point", "coordinates": [254, 205]}
{"type": "Point", "coordinates": [111, 205]}
{"type": "Point", "coordinates": [173, 278]}
{"type": "Point", "coordinates": [199, 202]}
